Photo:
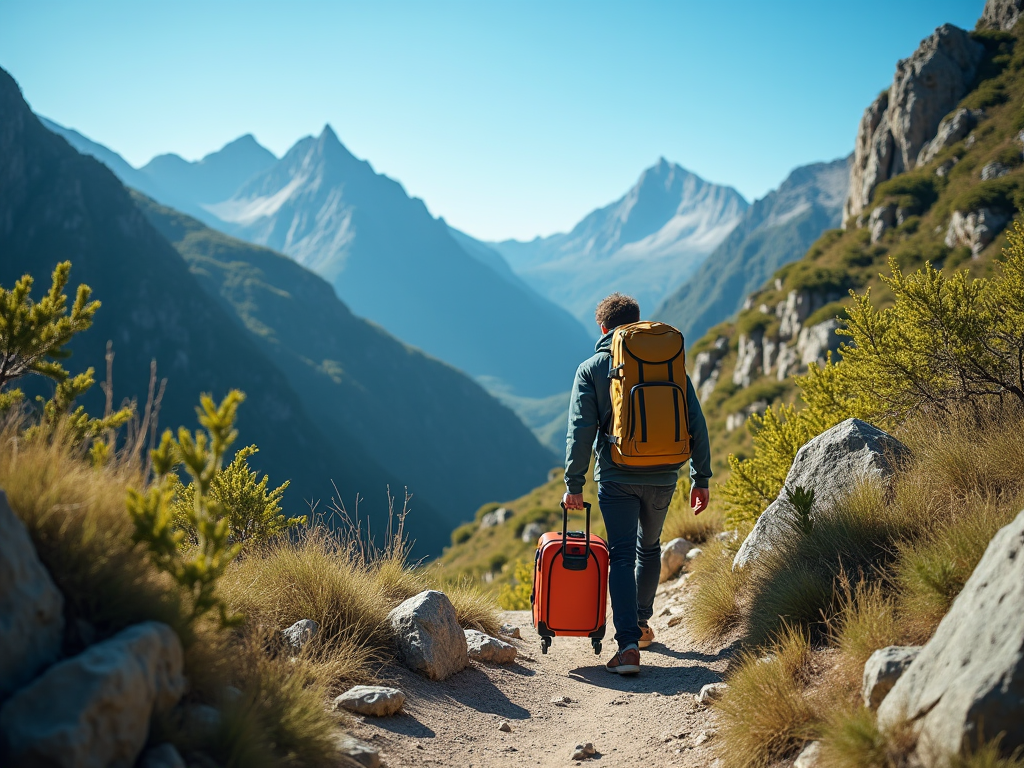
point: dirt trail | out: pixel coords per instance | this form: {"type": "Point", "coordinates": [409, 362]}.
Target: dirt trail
{"type": "Point", "coordinates": [650, 719]}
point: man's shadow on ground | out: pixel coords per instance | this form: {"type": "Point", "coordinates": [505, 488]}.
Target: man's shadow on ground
{"type": "Point", "coordinates": [655, 678]}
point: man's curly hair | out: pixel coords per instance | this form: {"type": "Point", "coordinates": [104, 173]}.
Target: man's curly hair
{"type": "Point", "coordinates": [618, 309]}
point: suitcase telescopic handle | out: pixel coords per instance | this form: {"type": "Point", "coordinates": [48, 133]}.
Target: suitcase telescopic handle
{"type": "Point", "coordinates": [575, 562]}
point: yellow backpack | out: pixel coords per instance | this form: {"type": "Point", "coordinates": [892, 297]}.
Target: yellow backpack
{"type": "Point", "coordinates": [649, 428]}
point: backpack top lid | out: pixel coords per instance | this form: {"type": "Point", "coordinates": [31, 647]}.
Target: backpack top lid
{"type": "Point", "coordinates": [650, 342]}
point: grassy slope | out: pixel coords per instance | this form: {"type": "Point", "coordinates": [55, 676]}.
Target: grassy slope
{"type": "Point", "coordinates": [434, 428]}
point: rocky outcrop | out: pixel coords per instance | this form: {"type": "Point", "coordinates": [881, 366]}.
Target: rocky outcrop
{"type": "Point", "coordinates": [975, 229]}
{"type": "Point", "coordinates": [372, 700]}
{"type": "Point", "coordinates": [831, 465]}
{"type": "Point", "coordinates": [791, 348]}
{"type": "Point", "coordinates": [895, 128]}
{"type": "Point", "coordinates": [491, 650]}
{"type": "Point", "coordinates": [951, 130]}
{"type": "Point", "coordinates": [94, 709]}
{"type": "Point", "coordinates": [495, 518]}
{"type": "Point", "coordinates": [31, 606]}
{"type": "Point", "coordinates": [1001, 14]}
{"type": "Point", "coordinates": [815, 342]}
{"type": "Point", "coordinates": [734, 421]}
{"type": "Point", "coordinates": [883, 669]}
{"type": "Point", "coordinates": [749, 358]}
{"type": "Point", "coordinates": [706, 367]}
{"type": "Point", "coordinates": [968, 681]}
{"type": "Point", "coordinates": [428, 637]}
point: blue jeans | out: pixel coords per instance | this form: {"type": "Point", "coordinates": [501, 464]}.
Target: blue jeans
{"type": "Point", "coordinates": [634, 516]}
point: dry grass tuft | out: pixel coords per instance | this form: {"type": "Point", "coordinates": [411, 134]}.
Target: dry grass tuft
{"type": "Point", "coordinates": [765, 714]}
{"type": "Point", "coordinates": [715, 609]}
{"type": "Point", "coordinates": [866, 622]}
{"type": "Point", "coordinates": [852, 739]}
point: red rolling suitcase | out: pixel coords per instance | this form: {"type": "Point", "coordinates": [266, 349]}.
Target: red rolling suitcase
{"type": "Point", "coordinates": [570, 584]}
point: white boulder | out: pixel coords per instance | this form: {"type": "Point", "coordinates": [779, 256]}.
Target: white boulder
{"type": "Point", "coordinates": [831, 465]}
{"type": "Point", "coordinates": [968, 681]}
{"type": "Point", "coordinates": [673, 558]}
{"type": "Point", "coordinates": [428, 637]}
{"type": "Point", "coordinates": [31, 606]}
{"type": "Point", "coordinates": [94, 709]}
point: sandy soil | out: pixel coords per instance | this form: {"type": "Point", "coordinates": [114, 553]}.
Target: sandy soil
{"type": "Point", "coordinates": [650, 719]}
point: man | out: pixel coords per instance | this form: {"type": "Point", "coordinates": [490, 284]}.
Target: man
{"type": "Point", "coordinates": [633, 502]}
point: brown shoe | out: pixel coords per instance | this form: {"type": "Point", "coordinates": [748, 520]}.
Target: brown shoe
{"type": "Point", "coordinates": [646, 637]}
{"type": "Point", "coordinates": [625, 662]}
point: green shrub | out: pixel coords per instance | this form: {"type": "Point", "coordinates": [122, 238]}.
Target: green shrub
{"type": "Point", "coordinates": [827, 239]}
{"type": "Point", "coordinates": [998, 193]}
{"type": "Point", "coordinates": [516, 596]}
{"type": "Point", "coordinates": [989, 93]}
{"type": "Point", "coordinates": [463, 533]}
{"type": "Point", "coordinates": [488, 507]}
{"type": "Point", "coordinates": [765, 389]}
{"type": "Point", "coordinates": [914, 191]}
{"type": "Point", "coordinates": [831, 311]}
{"type": "Point", "coordinates": [751, 321]}
{"type": "Point", "coordinates": [252, 512]}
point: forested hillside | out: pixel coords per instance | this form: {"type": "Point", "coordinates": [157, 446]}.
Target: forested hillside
{"type": "Point", "coordinates": [430, 424]}
{"type": "Point", "coordinates": [60, 205]}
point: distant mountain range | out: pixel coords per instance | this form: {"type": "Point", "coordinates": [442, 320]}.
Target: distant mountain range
{"type": "Point", "coordinates": [331, 397]}
{"type": "Point", "coordinates": [775, 230]}
{"type": "Point", "coordinates": [385, 255]}
{"type": "Point", "coordinates": [644, 244]}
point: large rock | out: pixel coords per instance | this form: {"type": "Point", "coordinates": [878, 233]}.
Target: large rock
{"type": "Point", "coordinates": [428, 636]}
{"type": "Point", "coordinates": [373, 700]}
{"type": "Point", "coordinates": [673, 558]}
{"type": "Point", "coordinates": [358, 753]}
{"type": "Point", "coordinates": [93, 710]}
{"type": "Point", "coordinates": [968, 681]}
{"type": "Point", "coordinates": [1001, 14]}
{"type": "Point", "coordinates": [883, 669]}
{"type": "Point", "coordinates": [831, 464]}
{"type": "Point", "coordinates": [975, 229]}
{"type": "Point", "coordinates": [893, 130]}
{"type": "Point", "coordinates": [489, 649]}
{"type": "Point", "coordinates": [706, 362]}
{"type": "Point", "coordinates": [31, 606]}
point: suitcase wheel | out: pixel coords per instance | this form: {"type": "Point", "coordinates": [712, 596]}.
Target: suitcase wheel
{"type": "Point", "coordinates": [545, 643]}
{"type": "Point", "coordinates": [597, 646]}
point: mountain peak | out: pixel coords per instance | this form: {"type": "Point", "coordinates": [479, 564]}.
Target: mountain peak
{"type": "Point", "coordinates": [328, 135]}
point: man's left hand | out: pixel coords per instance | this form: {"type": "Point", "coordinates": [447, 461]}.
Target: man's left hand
{"type": "Point", "coordinates": [698, 499]}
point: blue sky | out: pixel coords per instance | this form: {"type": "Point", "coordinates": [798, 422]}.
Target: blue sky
{"type": "Point", "coordinates": [510, 119]}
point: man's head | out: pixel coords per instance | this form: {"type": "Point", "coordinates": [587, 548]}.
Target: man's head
{"type": "Point", "coordinates": [618, 309]}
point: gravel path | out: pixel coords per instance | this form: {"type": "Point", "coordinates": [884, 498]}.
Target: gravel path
{"type": "Point", "coordinates": [649, 719]}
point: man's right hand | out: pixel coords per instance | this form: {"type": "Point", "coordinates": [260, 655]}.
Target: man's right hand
{"type": "Point", "coordinates": [573, 500]}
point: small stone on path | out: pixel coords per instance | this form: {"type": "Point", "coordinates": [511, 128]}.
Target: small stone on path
{"type": "Point", "coordinates": [561, 701]}
{"type": "Point", "coordinates": [583, 751]}
{"type": "Point", "coordinates": [511, 630]}
{"type": "Point", "coordinates": [704, 737]}
{"type": "Point", "coordinates": [505, 727]}
{"type": "Point", "coordinates": [364, 754]}
{"type": "Point", "coordinates": [373, 700]}
{"type": "Point", "coordinates": [712, 692]}
{"type": "Point", "coordinates": [485, 648]}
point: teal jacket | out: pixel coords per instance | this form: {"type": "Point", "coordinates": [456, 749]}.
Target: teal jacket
{"type": "Point", "coordinates": [591, 407]}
